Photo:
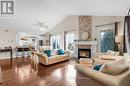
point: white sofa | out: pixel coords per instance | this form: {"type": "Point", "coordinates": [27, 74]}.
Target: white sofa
{"type": "Point", "coordinates": [44, 59]}
{"type": "Point", "coordinates": [122, 79]}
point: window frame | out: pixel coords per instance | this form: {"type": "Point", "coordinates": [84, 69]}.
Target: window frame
{"type": "Point", "coordinates": [65, 36]}
{"type": "Point", "coordinates": [55, 36]}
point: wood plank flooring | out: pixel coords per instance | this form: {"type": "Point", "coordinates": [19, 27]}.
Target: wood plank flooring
{"type": "Point", "coordinates": [19, 72]}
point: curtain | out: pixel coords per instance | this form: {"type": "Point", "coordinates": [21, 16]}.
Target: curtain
{"type": "Point", "coordinates": [127, 35]}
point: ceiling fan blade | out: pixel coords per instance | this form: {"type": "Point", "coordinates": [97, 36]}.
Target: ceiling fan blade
{"type": "Point", "coordinates": [41, 24]}
{"type": "Point", "coordinates": [46, 27]}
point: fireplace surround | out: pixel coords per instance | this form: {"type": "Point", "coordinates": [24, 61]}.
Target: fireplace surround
{"type": "Point", "coordinates": [89, 46]}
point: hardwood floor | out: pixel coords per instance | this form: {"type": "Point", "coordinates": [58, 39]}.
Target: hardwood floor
{"type": "Point", "coordinates": [19, 72]}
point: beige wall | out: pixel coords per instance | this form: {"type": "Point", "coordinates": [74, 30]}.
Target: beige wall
{"type": "Point", "coordinates": [85, 24]}
{"type": "Point", "coordinates": [71, 23]}
{"type": "Point", "coordinates": [101, 20]}
{"type": "Point", "coordinates": [7, 39]}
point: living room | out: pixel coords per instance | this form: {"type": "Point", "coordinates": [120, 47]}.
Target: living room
{"type": "Point", "coordinates": [45, 43]}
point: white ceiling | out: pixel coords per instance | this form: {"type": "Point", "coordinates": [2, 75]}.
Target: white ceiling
{"type": "Point", "coordinates": [52, 12]}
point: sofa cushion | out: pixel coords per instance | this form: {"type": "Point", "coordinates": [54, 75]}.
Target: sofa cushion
{"type": "Point", "coordinates": [114, 68]}
{"type": "Point", "coordinates": [48, 52]}
{"type": "Point", "coordinates": [114, 53]}
{"type": "Point", "coordinates": [55, 57]}
{"type": "Point", "coordinates": [54, 52]}
{"type": "Point", "coordinates": [108, 57]}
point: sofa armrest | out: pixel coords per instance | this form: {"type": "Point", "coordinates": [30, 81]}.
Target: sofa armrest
{"type": "Point", "coordinates": [42, 58]}
{"type": "Point", "coordinates": [100, 53]}
{"type": "Point", "coordinates": [124, 78]}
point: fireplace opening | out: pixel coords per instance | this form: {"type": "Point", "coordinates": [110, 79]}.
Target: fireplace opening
{"type": "Point", "coordinates": [84, 53]}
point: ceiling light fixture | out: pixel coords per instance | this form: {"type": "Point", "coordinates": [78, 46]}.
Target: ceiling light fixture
{"type": "Point", "coordinates": [43, 28]}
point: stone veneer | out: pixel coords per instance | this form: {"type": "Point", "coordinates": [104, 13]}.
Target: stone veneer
{"type": "Point", "coordinates": [85, 23]}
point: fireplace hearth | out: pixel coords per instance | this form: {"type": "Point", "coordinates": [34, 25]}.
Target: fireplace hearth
{"type": "Point", "coordinates": [84, 53]}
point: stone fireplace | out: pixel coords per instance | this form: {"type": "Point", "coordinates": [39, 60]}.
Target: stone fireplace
{"type": "Point", "coordinates": [85, 46]}
{"type": "Point", "coordinates": [85, 49]}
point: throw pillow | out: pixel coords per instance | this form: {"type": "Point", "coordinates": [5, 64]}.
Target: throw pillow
{"type": "Point", "coordinates": [54, 52]}
{"type": "Point", "coordinates": [48, 52]}
{"type": "Point", "coordinates": [97, 67]}
{"type": "Point", "coordinates": [110, 52]}
{"type": "Point", "coordinates": [107, 57]}
{"type": "Point", "coordinates": [114, 68]}
{"type": "Point", "coordinates": [60, 52]}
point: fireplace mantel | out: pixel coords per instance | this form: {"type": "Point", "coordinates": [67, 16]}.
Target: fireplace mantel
{"type": "Point", "coordinates": [92, 44]}
{"type": "Point", "coordinates": [79, 42]}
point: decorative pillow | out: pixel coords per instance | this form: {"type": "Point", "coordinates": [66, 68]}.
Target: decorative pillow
{"type": "Point", "coordinates": [48, 52]}
{"type": "Point", "coordinates": [67, 52]}
{"type": "Point", "coordinates": [114, 68]}
{"type": "Point", "coordinates": [54, 52]}
{"type": "Point", "coordinates": [108, 57]}
{"type": "Point", "coordinates": [110, 52]}
{"type": "Point", "coordinates": [97, 67]}
{"type": "Point", "coordinates": [60, 52]}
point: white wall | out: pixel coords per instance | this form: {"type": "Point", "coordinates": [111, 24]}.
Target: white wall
{"type": "Point", "coordinates": [7, 39]}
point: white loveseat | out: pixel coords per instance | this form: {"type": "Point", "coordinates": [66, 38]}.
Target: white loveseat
{"type": "Point", "coordinates": [122, 79]}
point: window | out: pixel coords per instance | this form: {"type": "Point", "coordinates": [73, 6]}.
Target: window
{"type": "Point", "coordinates": [55, 41]}
{"type": "Point", "coordinates": [70, 41]}
{"type": "Point", "coordinates": [107, 40]}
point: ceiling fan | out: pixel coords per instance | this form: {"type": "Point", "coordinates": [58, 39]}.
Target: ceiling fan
{"type": "Point", "coordinates": [41, 25]}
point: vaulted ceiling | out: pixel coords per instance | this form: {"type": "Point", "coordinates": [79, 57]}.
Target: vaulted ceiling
{"type": "Point", "coordinates": [52, 12]}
